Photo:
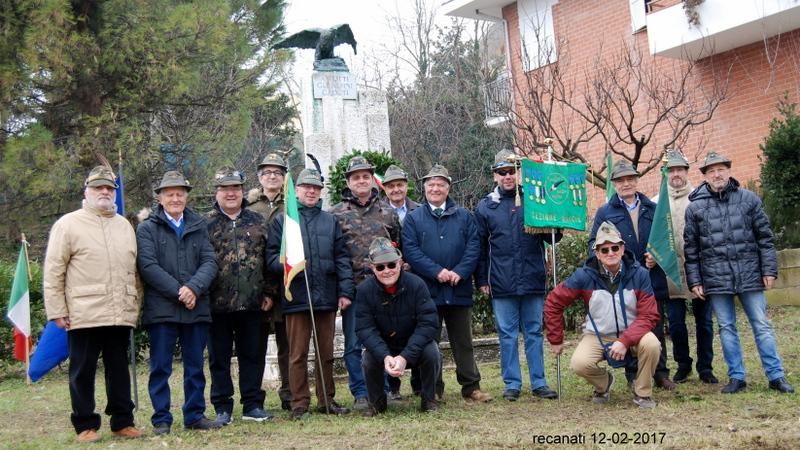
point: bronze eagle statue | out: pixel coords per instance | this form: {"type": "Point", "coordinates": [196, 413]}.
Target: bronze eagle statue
{"type": "Point", "coordinates": [323, 41]}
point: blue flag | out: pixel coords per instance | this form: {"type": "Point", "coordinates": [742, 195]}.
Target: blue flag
{"type": "Point", "coordinates": [120, 201]}
{"type": "Point", "coordinates": [50, 351]}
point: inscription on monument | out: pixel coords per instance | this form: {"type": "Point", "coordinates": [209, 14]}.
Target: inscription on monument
{"type": "Point", "coordinates": [334, 84]}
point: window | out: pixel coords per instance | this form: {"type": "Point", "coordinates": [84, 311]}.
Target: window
{"type": "Point", "coordinates": [638, 14]}
{"type": "Point", "coordinates": [537, 36]}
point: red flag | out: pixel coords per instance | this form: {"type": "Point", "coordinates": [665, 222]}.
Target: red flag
{"type": "Point", "coordinates": [19, 344]}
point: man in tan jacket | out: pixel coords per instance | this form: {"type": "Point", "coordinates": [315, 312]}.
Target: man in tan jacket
{"type": "Point", "coordinates": [91, 290]}
{"type": "Point", "coordinates": [679, 190]}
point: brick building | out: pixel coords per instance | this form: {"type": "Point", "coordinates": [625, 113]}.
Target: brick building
{"type": "Point", "coordinates": [748, 48]}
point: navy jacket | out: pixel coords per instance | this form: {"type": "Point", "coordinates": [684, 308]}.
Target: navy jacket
{"type": "Point", "coordinates": [432, 243]}
{"type": "Point", "coordinates": [327, 261]}
{"type": "Point", "coordinates": [167, 262]}
{"type": "Point", "coordinates": [615, 212]}
{"type": "Point", "coordinates": [728, 241]}
{"type": "Point", "coordinates": [512, 261]}
{"type": "Point", "coordinates": [402, 323]}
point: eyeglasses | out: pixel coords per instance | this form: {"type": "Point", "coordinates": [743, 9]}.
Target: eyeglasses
{"type": "Point", "coordinates": [612, 249]}
{"type": "Point", "coordinates": [382, 267]}
{"type": "Point", "coordinates": [504, 172]}
{"type": "Point", "coordinates": [273, 173]}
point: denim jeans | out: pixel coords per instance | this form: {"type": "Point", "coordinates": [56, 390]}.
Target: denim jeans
{"type": "Point", "coordinates": [512, 314]}
{"type": "Point", "coordinates": [755, 307]}
{"type": "Point", "coordinates": [704, 325]}
{"type": "Point", "coordinates": [352, 354]}
{"type": "Point", "coordinates": [163, 337]}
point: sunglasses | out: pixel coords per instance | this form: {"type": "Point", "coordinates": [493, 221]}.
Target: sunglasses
{"type": "Point", "coordinates": [504, 172]}
{"type": "Point", "coordinates": [607, 250]}
{"type": "Point", "coordinates": [382, 267]}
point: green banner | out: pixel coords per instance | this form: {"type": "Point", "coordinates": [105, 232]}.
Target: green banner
{"type": "Point", "coordinates": [555, 194]}
{"type": "Point", "coordinates": [661, 245]}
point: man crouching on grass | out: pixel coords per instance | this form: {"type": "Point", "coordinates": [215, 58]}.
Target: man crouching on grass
{"type": "Point", "coordinates": [396, 321]}
{"type": "Point", "coordinates": [621, 308]}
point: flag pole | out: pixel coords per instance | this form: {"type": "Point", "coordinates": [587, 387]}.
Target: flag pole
{"type": "Point", "coordinates": [131, 337]}
{"type": "Point", "coordinates": [317, 357]}
{"type": "Point", "coordinates": [549, 142]}
{"type": "Point", "coordinates": [27, 338]}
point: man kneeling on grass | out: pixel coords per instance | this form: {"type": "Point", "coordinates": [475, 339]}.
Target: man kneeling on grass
{"type": "Point", "coordinates": [621, 311]}
{"type": "Point", "coordinates": [396, 321]}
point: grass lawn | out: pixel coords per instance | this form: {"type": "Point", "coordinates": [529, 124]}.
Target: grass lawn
{"type": "Point", "coordinates": [697, 416]}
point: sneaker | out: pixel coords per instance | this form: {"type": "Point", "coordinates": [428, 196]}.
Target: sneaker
{"type": "Point", "coordinates": [429, 405]}
{"type": "Point", "coordinates": [666, 384]}
{"type": "Point", "coordinates": [644, 402]}
{"type": "Point", "coordinates": [258, 415]}
{"type": "Point", "coordinates": [478, 396]}
{"type": "Point", "coordinates": [360, 404]}
{"type": "Point", "coordinates": [733, 386]}
{"type": "Point", "coordinates": [299, 414]}
{"type": "Point", "coordinates": [603, 397]}
{"type": "Point", "coordinates": [708, 378]}
{"type": "Point", "coordinates": [511, 395]}
{"type": "Point", "coordinates": [681, 375]}
{"type": "Point", "coordinates": [781, 385]}
{"type": "Point", "coordinates": [161, 429]}
{"type": "Point", "coordinates": [128, 432]}
{"type": "Point", "coordinates": [87, 436]}
{"type": "Point", "coordinates": [204, 423]}
{"type": "Point", "coordinates": [394, 398]}
{"type": "Point", "coordinates": [544, 392]}
{"type": "Point", "coordinates": [224, 418]}
{"type": "Point", "coordinates": [336, 409]}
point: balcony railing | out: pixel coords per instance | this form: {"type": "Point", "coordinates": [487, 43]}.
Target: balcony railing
{"type": "Point", "coordinates": [497, 99]}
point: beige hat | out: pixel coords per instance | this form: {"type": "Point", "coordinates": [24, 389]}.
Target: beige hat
{"type": "Point", "coordinates": [438, 170]}
{"type": "Point", "coordinates": [504, 158]}
{"type": "Point", "coordinates": [173, 179]}
{"type": "Point", "coordinates": [309, 176]}
{"type": "Point", "coordinates": [101, 176]}
{"type": "Point", "coordinates": [607, 233]}
{"type": "Point", "coordinates": [382, 250]}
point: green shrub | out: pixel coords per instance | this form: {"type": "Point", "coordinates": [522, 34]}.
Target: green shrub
{"type": "Point", "coordinates": [780, 172]}
{"type": "Point", "coordinates": [381, 160]}
{"type": "Point", "coordinates": [482, 313]}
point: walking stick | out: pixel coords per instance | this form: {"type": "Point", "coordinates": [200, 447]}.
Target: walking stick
{"type": "Point", "coordinates": [134, 383]}
{"type": "Point", "coordinates": [321, 374]}
{"type": "Point", "coordinates": [558, 376]}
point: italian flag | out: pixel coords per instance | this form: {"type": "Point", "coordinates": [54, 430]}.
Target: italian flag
{"type": "Point", "coordinates": [378, 180]}
{"type": "Point", "coordinates": [19, 309]}
{"type": "Point", "coordinates": [293, 257]}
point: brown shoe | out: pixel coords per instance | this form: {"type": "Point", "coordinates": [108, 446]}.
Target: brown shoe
{"type": "Point", "coordinates": [666, 384]}
{"type": "Point", "coordinates": [128, 432]}
{"type": "Point", "coordinates": [87, 436]}
{"type": "Point", "coordinates": [478, 396]}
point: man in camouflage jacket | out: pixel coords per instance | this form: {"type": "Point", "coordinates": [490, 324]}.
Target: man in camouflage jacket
{"type": "Point", "coordinates": [362, 217]}
{"type": "Point", "coordinates": [238, 236]}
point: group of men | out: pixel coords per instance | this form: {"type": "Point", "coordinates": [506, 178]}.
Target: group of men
{"type": "Point", "coordinates": [397, 271]}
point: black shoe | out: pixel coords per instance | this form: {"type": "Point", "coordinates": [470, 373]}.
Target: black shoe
{"type": "Point", "coordinates": [681, 375]}
{"type": "Point", "coordinates": [734, 386]}
{"type": "Point", "coordinates": [708, 378]}
{"type": "Point", "coordinates": [781, 385]}
{"type": "Point", "coordinates": [299, 414]}
{"type": "Point", "coordinates": [394, 398]}
{"type": "Point", "coordinates": [511, 395]}
{"type": "Point", "coordinates": [429, 405]}
{"type": "Point", "coordinates": [544, 392]}
{"type": "Point", "coordinates": [161, 429]}
{"type": "Point", "coordinates": [335, 409]}
{"type": "Point", "coordinates": [204, 424]}
{"type": "Point", "coordinates": [286, 405]}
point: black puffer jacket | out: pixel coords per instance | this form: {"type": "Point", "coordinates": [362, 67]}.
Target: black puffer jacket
{"type": "Point", "coordinates": [729, 243]}
{"type": "Point", "coordinates": [327, 261]}
{"type": "Point", "coordinates": [167, 262]}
